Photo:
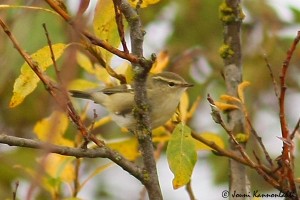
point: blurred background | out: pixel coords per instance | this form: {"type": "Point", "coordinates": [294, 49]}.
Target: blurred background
{"type": "Point", "coordinates": [191, 33]}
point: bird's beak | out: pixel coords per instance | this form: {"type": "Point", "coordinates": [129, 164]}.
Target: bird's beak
{"type": "Point", "coordinates": [187, 85]}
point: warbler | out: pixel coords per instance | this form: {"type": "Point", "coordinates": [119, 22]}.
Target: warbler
{"type": "Point", "coordinates": [164, 91]}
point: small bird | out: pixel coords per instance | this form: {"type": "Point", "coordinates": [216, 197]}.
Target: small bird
{"type": "Point", "coordinates": [164, 91]}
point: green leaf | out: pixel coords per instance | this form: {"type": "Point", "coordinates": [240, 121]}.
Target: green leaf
{"type": "Point", "coordinates": [181, 155]}
{"type": "Point", "coordinates": [105, 26]}
{"type": "Point", "coordinates": [27, 81]}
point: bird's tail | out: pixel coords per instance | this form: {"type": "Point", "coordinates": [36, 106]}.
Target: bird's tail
{"type": "Point", "coordinates": [80, 94]}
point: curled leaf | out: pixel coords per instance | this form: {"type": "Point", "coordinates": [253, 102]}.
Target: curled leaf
{"type": "Point", "coordinates": [241, 89]}
{"type": "Point", "coordinates": [229, 98]}
{"type": "Point", "coordinates": [225, 106]}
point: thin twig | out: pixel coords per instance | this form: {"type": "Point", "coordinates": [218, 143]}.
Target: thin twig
{"type": "Point", "coordinates": [190, 191]}
{"type": "Point", "coordinates": [16, 190]}
{"type": "Point", "coordinates": [275, 85]}
{"type": "Point", "coordinates": [295, 130]}
{"type": "Point", "coordinates": [120, 25]}
{"type": "Point", "coordinates": [52, 53]}
{"type": "Point", "coordinates": [260, 142]}
{"type": "Point", "coordinates": [266, 172]}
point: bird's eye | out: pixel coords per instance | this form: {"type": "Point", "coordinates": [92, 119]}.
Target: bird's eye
{"type": "Point", "coordinates": [171, 84]}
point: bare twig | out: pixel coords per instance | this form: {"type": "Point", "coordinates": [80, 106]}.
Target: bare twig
{"type": "Point", "coordinates": [52, 53]}
{"type": "Point", "coordinates": [286, 154]}
{"type": "Point", "coordinates": [120, 25]}
{"type": "Point", "coordinates": [260, 142]}
{"type": "Point", "coordinates": [296, 129]}
{"type": "Point", "coordinates": [190, 191]}
{"type": "Point", "coordinates": [275, 85]}
{"type": "Point", "coordinates": [15, 190]}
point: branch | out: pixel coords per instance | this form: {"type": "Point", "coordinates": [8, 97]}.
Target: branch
{"type": "Point", "coordinates": [245, 160]}
{"type": "Point", "coordinates": [93, 39]}
{"type": "Point", "coordinates": [286, 154]}
{"type": "Point", "coordinates": [141, 111]}
{"type": "Point", "coordinates": [54, 91]}
{"type": "Point", "coordinates": [102, 152]}
{"type": "Point", "coordinates": [231, 15]}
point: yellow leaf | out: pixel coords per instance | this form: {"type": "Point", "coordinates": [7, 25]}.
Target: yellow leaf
{"type": "Point", "coordinates": [126, 69]}
{"type": "Point", "coordinates": [211, 137]}
{"type": "Point", "coordinates": [183, 106]}
{"type": "Point", "coordinates": [181, 155]}
{"type": "Point", "coordinates": [161, 62]}
{"type": "Point", "coordinates": [82, 84]}
{"type": "Point", "coordinates": [52, 129]}
{"type": "Point", "coordinates": [105, 26]}
{"type": "Point", "coordinates": [193, 108]}
{"type": "Point", "coordinates": [95, 70]}
{"type": "Point", "coordinates": [229, 98]}
{"type": "Point", "coordinates": [60, 167]}
{"type": "Point", "coordinates": [27, 81]}
{"type": "Point", "coordinates": [161, 138]}
{"type": "Point", "coordinates": [225, 106]}
{"type": "Point", "coordinates": [102, 121]}
{"type": "Point", "coordinates": [59, 170]}
{"type": "Point", "coordinates": [143, 4]}
{"type": "Point", "coordinates": [127, 147]}
{"type": "Point", "coordinates": [241, 89]}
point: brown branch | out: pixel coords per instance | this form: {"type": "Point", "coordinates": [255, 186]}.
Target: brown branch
{"type": "Point", "coordinates": [286, 154]}
{"type": "Point", "coordinates": [275, 85]}
{"type": "Point", "coordinates": [245, 160]}
{"type": "Point", "coordinates": [102, 152]}
{"type": "Point", "coordinates": [15, 190]}
{"type": "Point", "coordinates": [52, 53]}
{"type": "Point", "coordinates": [120, 25]}
{"type": "Point", "coordinates": [264, 171]}
{"type": "Point", "coordinates": [260, 142]}
{"type": "Point", "coordinates": [295, 130]}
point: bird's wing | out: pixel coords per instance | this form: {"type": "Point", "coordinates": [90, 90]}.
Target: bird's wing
{"type": "Point", "coordinates": [124, 88]}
